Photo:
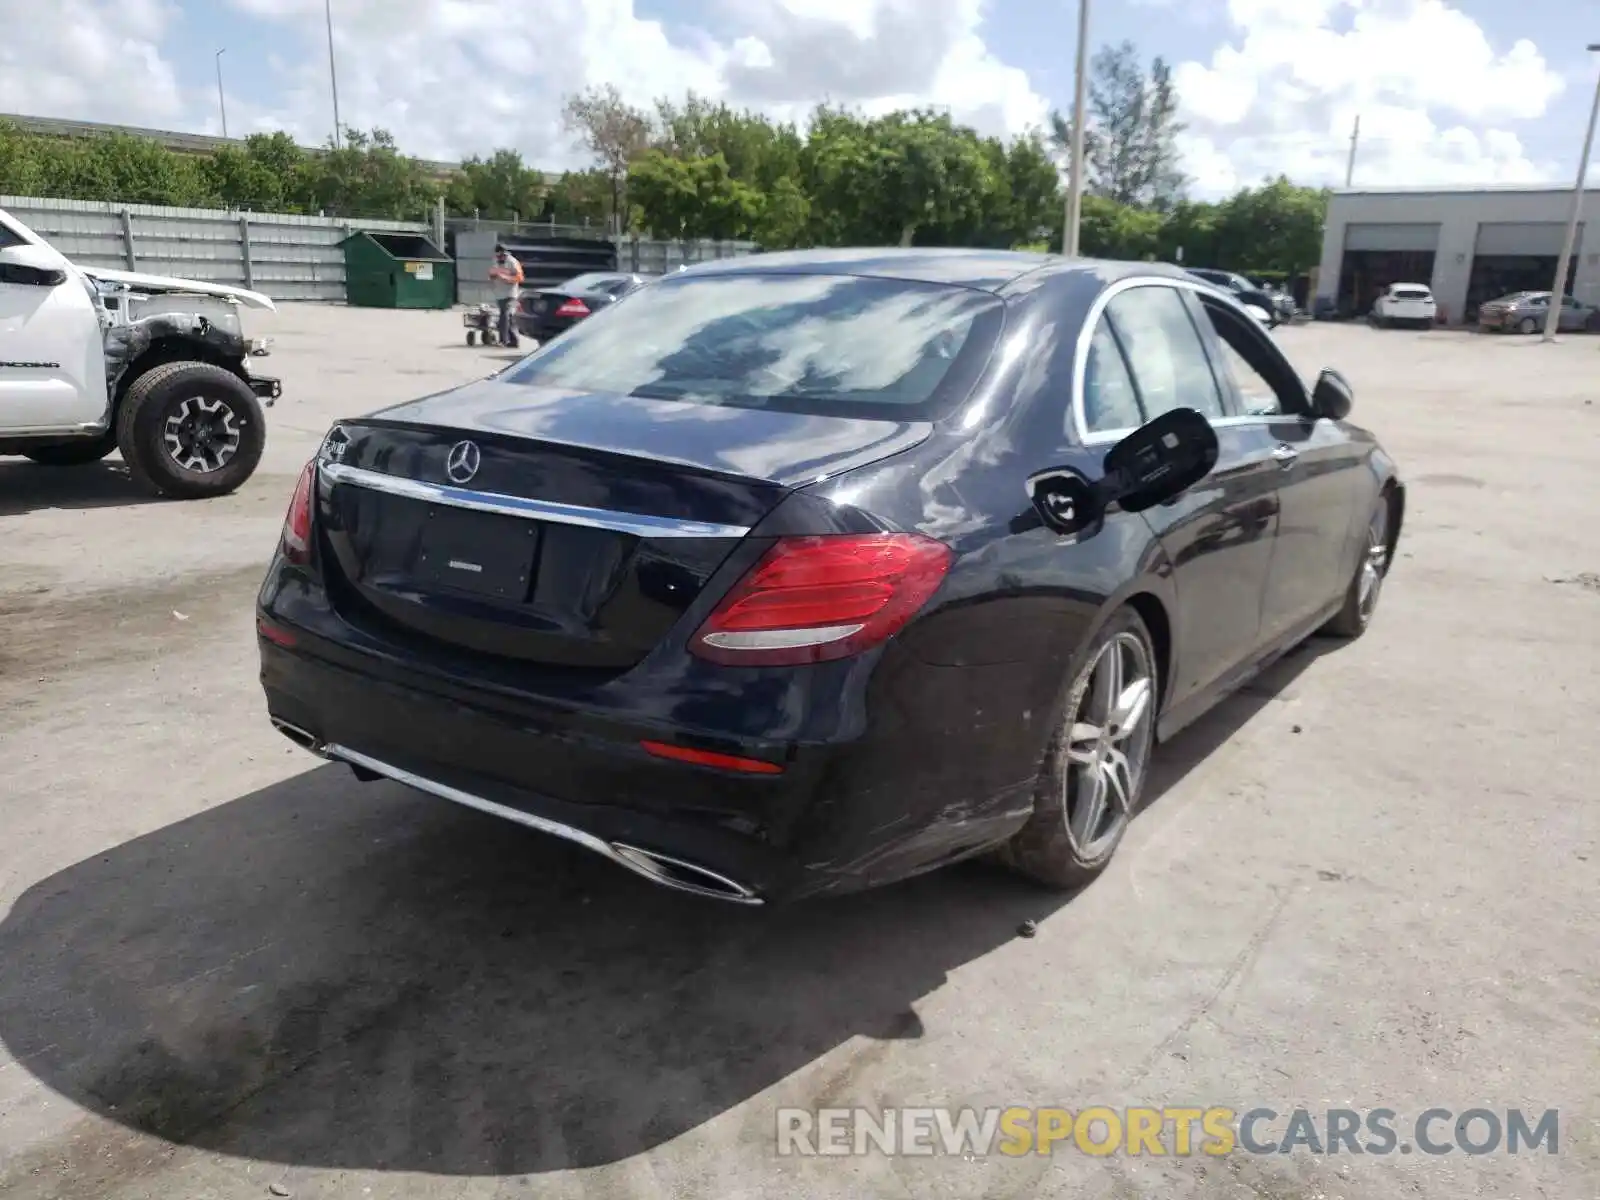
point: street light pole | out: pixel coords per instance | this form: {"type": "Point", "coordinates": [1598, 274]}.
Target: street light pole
{"type": "Point", "coordinates": [333, 78]}
{"type": "Point", "coordinates": [1069, 234]}
{"type": "Point", "coordinates": [1558, 292]}
{"type": "Point", "coordinates": [221, 102]}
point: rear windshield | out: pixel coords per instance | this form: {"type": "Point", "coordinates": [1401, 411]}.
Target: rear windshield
{"type": "Point", "coordinates": [826, 344]}
{"type": "Point", "coordinates": [1411, 293]}
{"type": "Point", "coordinates": [593, 282]}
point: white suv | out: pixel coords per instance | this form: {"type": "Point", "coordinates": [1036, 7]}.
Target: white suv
{"type": "Point", "coordinates": [1405, 304]}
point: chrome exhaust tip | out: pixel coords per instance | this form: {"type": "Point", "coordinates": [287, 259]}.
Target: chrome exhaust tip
{"type": "Point", "coordinates": [682, 876]}
{"type": "Point", "coordinates": [300, 737]}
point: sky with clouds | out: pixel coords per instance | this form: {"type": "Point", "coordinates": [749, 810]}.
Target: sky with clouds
{"type": "Point", "coordinates": [1448, 91]}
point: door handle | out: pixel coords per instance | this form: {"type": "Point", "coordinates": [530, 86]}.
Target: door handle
{"type": "Point", "coordinates": [1285, 455]}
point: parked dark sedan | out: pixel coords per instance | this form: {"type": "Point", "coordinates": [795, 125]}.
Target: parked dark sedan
{"type": "Point", "coordinates": [1278, 306]}
{"type": "Point", "coordinates": [801, 573]}
{"type": "Point", "coordinates": [546, 312]}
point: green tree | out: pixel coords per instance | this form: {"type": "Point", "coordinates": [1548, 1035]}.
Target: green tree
{"type": "Point", "coordinates": [692, 197]}
{"type": "Point", "coordinates": [614, 133]}
{"type": "Point", "coordinates": [663, 189]}
{"type": "Point", "coordinates": [1190, 233]}
{"type": "Point", "coordinates": [268, 174]}
{"type": "Point", "coordinates": [1276, 227]}
{"type": "Point", "coordinates": [121, 167]}
{"type": "Point", "coordinates": [578, 198]}
{"type": "Point", "coordinates": [368, 176]}
{"type": "Point", "coordinates": [1111, 230]}
{"type": "Point", "coordinates": [19, 161]}
{"type": "Point", "coordinates": [784, 219]}
{"type": "Point", "coordinates": [499, 187]}
{"type": "Point", "coordinates": [1130, 151]}
{"type": "Point", "coordinates": [882, 181]}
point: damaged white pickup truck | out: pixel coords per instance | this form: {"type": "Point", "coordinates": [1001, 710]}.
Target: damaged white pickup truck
{"type": "Point", "coordinates": [95, 360]}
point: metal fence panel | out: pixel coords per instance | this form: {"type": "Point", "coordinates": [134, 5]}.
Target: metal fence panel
{"type": "Point", "coordinates": [289, 256]}
{"type": "Point", "coordinates": [285, 255]}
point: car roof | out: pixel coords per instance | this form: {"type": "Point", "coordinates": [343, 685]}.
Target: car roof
{"type": "Point", "coordinates": [987, 270]}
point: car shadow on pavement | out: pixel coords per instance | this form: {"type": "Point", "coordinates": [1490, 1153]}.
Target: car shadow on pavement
{"type": "Point", "coordinates": [333, 974]}
{"type": "Point", "coordinates": [28, 487]}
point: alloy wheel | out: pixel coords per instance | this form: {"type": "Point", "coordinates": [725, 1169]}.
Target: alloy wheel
{"type": "Point", "coordinates": [1108, 745]}
{"type": "Point", "coordinates": [202, 435]}
{"type": "Point", "coordinates": [1374, 563]}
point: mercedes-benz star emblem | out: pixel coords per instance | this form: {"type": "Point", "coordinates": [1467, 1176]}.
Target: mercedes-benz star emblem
{"type": "Point", "coordinates": [461, 464]}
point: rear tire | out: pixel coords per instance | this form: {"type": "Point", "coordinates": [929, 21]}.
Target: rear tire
{"type": "Point", "coordinates": [74, 454]}
{"type": "Point", "coordinates": [1361, 597]}
{"type": "Point", "coordinates": [188, 430]}
{"type": "Point", "coordinates": [472, 339]}
{"type": "Point", "coordinates": [1093, 773]}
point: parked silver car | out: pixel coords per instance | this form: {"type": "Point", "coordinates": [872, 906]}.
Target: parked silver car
{"type": "Point", "coordinates": [1526, 312]}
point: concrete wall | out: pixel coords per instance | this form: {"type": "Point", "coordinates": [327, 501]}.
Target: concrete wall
{"type": "Point", "coordinates": [288, 257]}
{"type": "Point", "coordinates": [1490, 221]}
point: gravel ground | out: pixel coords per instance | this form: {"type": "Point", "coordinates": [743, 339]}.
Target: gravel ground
{"type": "Point", "coordinates": [1368, 880]}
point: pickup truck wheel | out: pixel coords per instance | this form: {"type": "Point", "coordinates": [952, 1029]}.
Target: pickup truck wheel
{"type": "Point", "coordinates": [74, 454]}
{"type": "Point", "coordinates": [190, 430]}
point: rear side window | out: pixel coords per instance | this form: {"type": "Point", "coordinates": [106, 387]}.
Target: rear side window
{"type": "Point", "coordinates": [1109, 399]}
{"type": "Point", "coordinates": [825, 344]}
{"type": "Point", "coordinates": [1169, 362]}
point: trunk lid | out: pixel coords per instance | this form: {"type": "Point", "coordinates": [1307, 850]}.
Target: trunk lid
{"type": "Point", "coordinates": [570, 529]}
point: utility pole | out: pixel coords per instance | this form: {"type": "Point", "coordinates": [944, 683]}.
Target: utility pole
{"type": "Point", "coordinates": [1558, 291]}
{"type": "Point", "coordinates": [221, 102]}
{"type": "Point", "coordinates": [333, 78]}
{"type": "Point", "coordinates": [1069, 234]}
{"type": "Point", "coordinates": [1350, 163]}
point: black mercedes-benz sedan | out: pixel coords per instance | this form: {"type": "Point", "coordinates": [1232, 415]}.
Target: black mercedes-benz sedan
{"type": "Point", "coordinates": [801, 573]}
{"type": "Point", "coordinates": [545, 312]}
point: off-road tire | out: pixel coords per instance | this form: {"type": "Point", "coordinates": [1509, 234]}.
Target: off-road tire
{"type": "Point", "coordinates": [79, 453]}
{"type": "Point", "coordinates": [1042, 850]}
{"type": "Point", "coordinates": [141, 421]}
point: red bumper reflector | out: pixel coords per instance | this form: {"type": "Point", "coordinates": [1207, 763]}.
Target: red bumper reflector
{"type": "Point", "coordinates": [278, 637]}
{"type": "Point", "coordinates": [710, 758]}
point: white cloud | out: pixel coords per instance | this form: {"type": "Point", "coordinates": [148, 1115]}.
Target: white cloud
{"type": "Point", "coordinates": [1433, 94]}
{"type": "Point", "coordinates": [428, 71]}
{"type": "Point", "coordinates": [97, 60]}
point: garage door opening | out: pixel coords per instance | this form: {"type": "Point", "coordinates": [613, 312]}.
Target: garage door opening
{"type": "Point", "coordinates": [1496, 275]}
{"type": "Point", "coordinates": [1365, 274]}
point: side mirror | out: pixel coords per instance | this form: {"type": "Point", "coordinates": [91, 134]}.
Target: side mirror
{"type": "Point", "coordinates": [1331, 397]}
{"type": "Point", "coordinates": [1160, 460]}
{"type": "Point", "coordinates": [31, 266]}
{"type": "Point", "coordinates": [1155, 463]}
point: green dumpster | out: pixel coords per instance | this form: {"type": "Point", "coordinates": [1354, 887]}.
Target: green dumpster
{"type": "Point", "coordinates": [397, 270]}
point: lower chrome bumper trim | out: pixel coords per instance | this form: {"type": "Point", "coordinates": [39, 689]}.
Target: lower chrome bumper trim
{"type": "Point", "coordinates": [659, 868]}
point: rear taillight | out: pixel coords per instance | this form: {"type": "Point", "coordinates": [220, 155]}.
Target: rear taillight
{"type": "Point", "coordinates": [297, 523]}
{"type": "Point", "coordinates": [573, 308]}
{"type": "Point", "coordinates": [811, 599]}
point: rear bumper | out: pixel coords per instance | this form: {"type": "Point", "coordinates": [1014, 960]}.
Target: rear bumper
{"type": "Point", "coordinates": [839, 817]}
{"type": "Point", "coordinates": [541, 328]}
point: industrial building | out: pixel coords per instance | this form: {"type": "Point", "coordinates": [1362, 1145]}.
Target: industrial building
{"type": "Point", "coordinates": [1468, 244]}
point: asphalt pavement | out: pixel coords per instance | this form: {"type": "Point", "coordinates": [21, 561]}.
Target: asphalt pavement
{"type": "Point", "coordinates": [1369, 880]}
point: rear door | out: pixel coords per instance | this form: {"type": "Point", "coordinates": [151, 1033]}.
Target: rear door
{"type": "Point", "coordinates": [1147, 357]}
{"type": "Point", "coordinates": [1314, 462]}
